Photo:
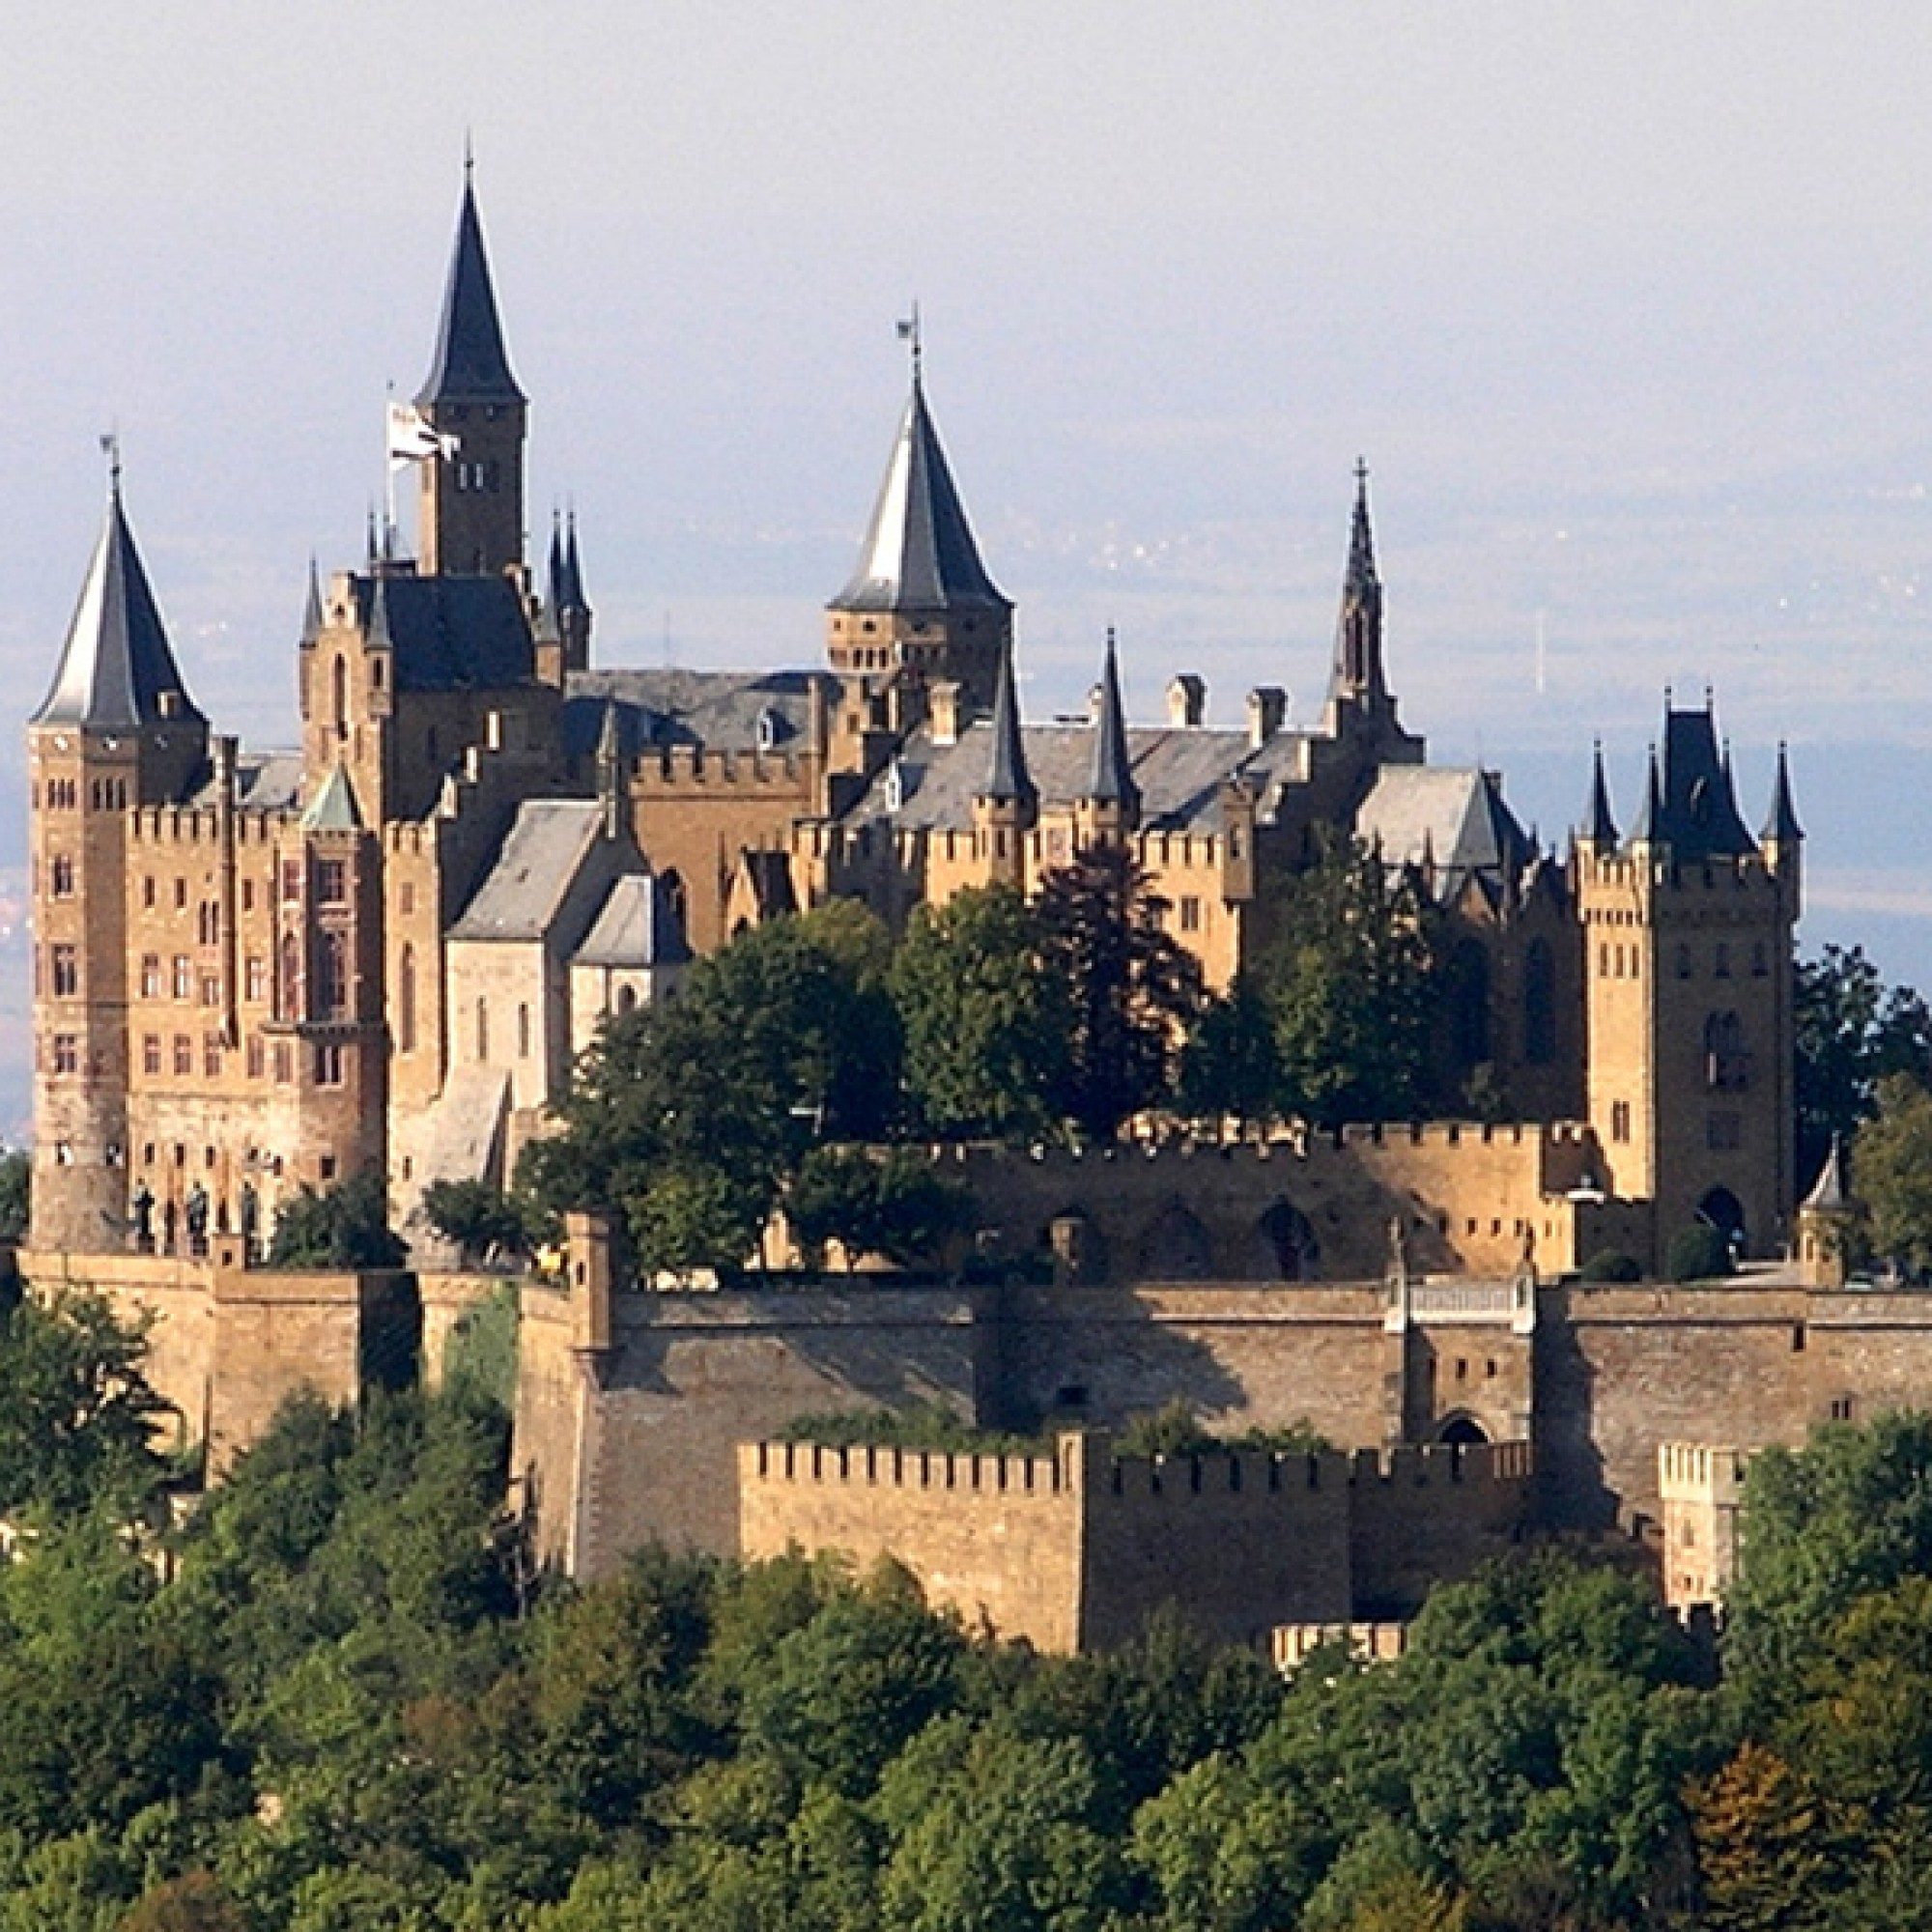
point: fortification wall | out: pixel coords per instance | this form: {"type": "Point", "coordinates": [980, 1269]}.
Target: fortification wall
{"type": "Point", "coordinates": [1467, 1198]}
{"type": "Point", "coordinates": [686, 1376]}
{"type": "Point", "coordinates": [997, 1538]}
{"type": "Point", "coordinates": [1426, 1515]}
{"type": "Point", "coordinates": [1244, 1356]}
{"type": "Point", "coordinates": [1233, 1544]}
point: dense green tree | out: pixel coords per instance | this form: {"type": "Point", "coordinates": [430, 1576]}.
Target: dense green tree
{"type": "Point", "coordinates": [346, 1226]}
{"type": "Point", "coordinates": [1852, 1032]}
{"type": "Point", "coordinates": [685, 1118]}
{"type": "Point", "coordinates": [78, 1421]}
{"type": "Point", "coordinates": [895, 1205]}
{"type": "Point", "coordinates": [1352, 989]}
{"type": "Point", "coordinates": [16, 1177]}
{"type": "Point", "coordinates": [483, 1221]}
{"type": "Point", "coordinates": [1892, 1161]}
{"type": "Point", "coordinates": [1131, 989]}
{"type": "Point", "coordinates": [1230, 1065]}
{"type": "Point", "coordinates": [986, 1028]}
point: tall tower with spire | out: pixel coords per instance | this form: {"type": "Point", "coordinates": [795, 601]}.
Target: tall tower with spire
{"type": "Point", "coordinates": [116, 731]}
{"type": "Point", "coordinates": [1687, 970]}
{"type": "Point", "coordinates": [921, 605]}
{"type": "Point", "coordinates": [1360, 704]}
{"type": "Point", "coordinates": [472, 490]}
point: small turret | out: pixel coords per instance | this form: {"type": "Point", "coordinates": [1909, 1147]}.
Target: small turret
{"type": "Point", "coordinates": [1649, 829]}
{"type": "Point", "coordinates": [1006, 806]}
{"type": "Point", "coordinates": [1599, 829]}
{"type": "Point", "coordinates": [1109, 803]}
{"type": "Point", "coordinates": [1783, 838]}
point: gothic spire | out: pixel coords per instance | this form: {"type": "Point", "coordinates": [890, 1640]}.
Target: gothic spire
{"type": "Point", "coordinates": [1359, 631]}
{"type": "Point", "coordinates": [116, 668]}
{"type": "Point", "coordinates": [919, 553]}
{"type": "Point", "coordinates": [312, 611]}
{"type": "Point", "coordinates": [611, 771]}
{"type": "Point", "coordinates": [1599, 825]}
{"type": "Point", "coordinates": [573, 567]}
{"type": "Point", "coordinates": [1008, 780]}
{"type": "Point", "coordinates": [470, 363]}
{"type": "Point", "coordinates": [1782, 825]}
{"type": "Point", "coordinates": [1112, 782]}
{"type": "Point", "coordinates": [1649, 827]}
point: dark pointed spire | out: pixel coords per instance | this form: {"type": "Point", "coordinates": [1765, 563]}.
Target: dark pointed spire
{"type": "Point", "coordinates": [558, 581]}
{"type": "Point", "coordinates": [1828, 1194]}
{"type": "Point", "coordinates": [1112, 780]}
{"type": "Point", "coordinates": [376, 630]}
{"type": "Point", "coordinates": [1009, 781]}
{"type": "Point", "coordinates": [470, 363]}
{"type": "Point", "coordinates": [573, 567]}
{"type": "Point", "coordinates": [1599, 825]}
{"type": "Point", "coordinates": [1782, 824]}
{"type": "Point", "coordinates": [116, 668]}
{"type": "Point", "coordinates": [1649, 827]}
{"type": "Point", "coordinates": [918, 553]}
{"type": "Point", "coordinates": [1358, 631]}
{"type": "Point", "coordinates": [312, 611]}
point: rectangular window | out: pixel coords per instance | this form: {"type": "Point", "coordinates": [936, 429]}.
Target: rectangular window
{"type": "Point", "coordinates": [247, 894]}
{"type": "Point", "coordinates": [331, 882]}
{"type": "Point", "coordinates": [65, 971]}
{"type": "Point", "coordinates": [148, 892]}
{"type": "Point", "coordinates": [1190, 915]}
{"type": "Point", "coordinates": [210, 1055]}
{"type": "Point", "coordinates": [329, 1065]}
{"type": "Point", "coordinates": [255, 978]}
{"type": "Point", "coordinates": [284, 1063]}
{"type": "Point", "coordinates": [258, 1058]}
{"type": "Point", "coordinates": [1620, 1119]}
{"type": "Point", "coordinates": [292, 878]}
{"type": "Point", "coordinates": [61, 876]}
{"type": "Point", "coordinates": [183, 1054]}
{"type": "Point", "coordinates": [183, 977]}
{"type": "Point", "coordinates": [151, 976]}
{"type": "Point", "coordinates": [406, 898]}
{"type": "Point", "coordinates": [180, 894]}
{"type": "Point", "coordinates": [66, 1052]}
{"type": "Point", "coordinates": [210, 989]}
{"type": "Point", "coordinates": [151, 1053]}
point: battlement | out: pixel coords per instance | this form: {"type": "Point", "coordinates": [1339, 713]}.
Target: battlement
{"type": "Point", "coordinates": [885, 1467]}
{"type": "Point", "coordinates": [1660, 875]}
{"type": "Point", "coordinates": [1700, 1472]}
{"type": "Point", "coordinates": [683, 767]}
{"type": "Point", "coordinates": [192, 825]}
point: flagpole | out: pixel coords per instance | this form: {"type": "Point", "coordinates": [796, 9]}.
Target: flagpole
{"type": "Point", "coordinates": [388, 474]}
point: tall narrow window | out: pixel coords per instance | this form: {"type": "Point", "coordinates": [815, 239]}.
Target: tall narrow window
{"type": "Point", "coordinates": [338, 701]}
{"type": "Point", "coordinates": [522, 1029]}
{"type": "Point", "coordinates": [332, 964]}
{"type": "Point", "coordinates": [482, 1030]}
{"type": "Point", "coordinates": [406, 1002]}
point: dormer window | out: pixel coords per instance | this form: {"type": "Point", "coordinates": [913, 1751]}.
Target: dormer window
{"type": "Point", "coordinates": [893, 786]}
{"type": "Point", "coordinates": [770, 728]}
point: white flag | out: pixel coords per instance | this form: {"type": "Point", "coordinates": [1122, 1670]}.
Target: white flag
{"type": "Point", "coordinates": [411, 437]}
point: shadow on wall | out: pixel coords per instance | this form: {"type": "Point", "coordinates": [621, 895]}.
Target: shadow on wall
{"type": "Point", "coordinates": [1570, 1474]}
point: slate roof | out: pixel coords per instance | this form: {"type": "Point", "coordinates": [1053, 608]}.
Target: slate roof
{"type": "Point", "coordinates": [470, 363]}
{"type": "Point", "coordinates": [1453, 814]}
{"type": "Point", "coordinates": [1695, 808]}
{"type": "Point", "coordinates": [333, 808]}
{"type": "Point", "coordinates": [525, 888]}
{"type": "Point", "coordinates": [919, 553]}
{"type": "Point", "coordinates": [449, 633]}
{"type": "Point", "coordinates": [1178, 773]}
{"type": "Point", "coordinates": [264, 782]}
{"type": "Point", "coordinates": [636, 926]}
{"type": "Point", "coordinates": [718, 710]}
{"type": "Point", "coordinates": [117, 664]}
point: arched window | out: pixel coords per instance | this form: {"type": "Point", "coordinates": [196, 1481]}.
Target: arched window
{"type": "Point", "coordinates": [1470, 1004]}
{"type": "Point", "coordinates": [1539, 1003]}
{"type": "Point", "coordinates": [1726, 1064]}
{"type": "Point", "coordinates": [406, 1001]}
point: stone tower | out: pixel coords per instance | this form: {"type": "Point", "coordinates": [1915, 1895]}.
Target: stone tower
{"type": "Point", "coordinates": [472, 491]}
{"type": "Point", "coordinates": [117, 732]}
{"type": "Point", "coordinates": [920, 606]}
{"type": "Point", "coordinates": [1686, 930]}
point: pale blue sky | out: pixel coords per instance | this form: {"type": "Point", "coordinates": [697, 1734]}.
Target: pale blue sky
{"type": "Point", "coordinates": [1626, 304]}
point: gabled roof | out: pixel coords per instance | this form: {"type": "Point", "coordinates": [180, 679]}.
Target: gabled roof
{"type": "Point", "coordinates": [919, 553]}
{"type": "Point", "coordinates": [638, 926]}
{"type": "Point", "coordinates": [448, 633]}
{"type": "Point", "coordinates": [526, 888]}
{"type": "Point", "coordinates": [1452, 818]}
{"type": "Point", "coordinates": [116, 665]}
{"type": "Point", "coordinates": [470, 363]}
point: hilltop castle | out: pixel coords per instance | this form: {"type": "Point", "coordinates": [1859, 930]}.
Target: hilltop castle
{"type": "Point", "coordinates": [258, 971]}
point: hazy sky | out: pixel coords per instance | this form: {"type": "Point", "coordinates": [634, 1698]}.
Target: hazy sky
{"type": "Point", "coordinates": [1629, 307]}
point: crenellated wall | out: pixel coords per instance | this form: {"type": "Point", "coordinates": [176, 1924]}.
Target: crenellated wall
{"type": "Point", "coordinates": [1078, 1549]}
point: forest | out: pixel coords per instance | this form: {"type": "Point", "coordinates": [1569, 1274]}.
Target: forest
{"type": "Point", "coordinates": [334, 1694]}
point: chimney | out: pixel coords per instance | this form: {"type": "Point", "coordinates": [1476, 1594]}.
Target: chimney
{"type": "Point", "coordinates": [942, 710]}
{"type": "Point", "coordinates": [1268, 708]}
{"type": "Point", "coordinates": [1186, 703]}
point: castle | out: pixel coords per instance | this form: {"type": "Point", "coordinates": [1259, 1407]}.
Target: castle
{"type": "Point", "coordinates": [256, 972]}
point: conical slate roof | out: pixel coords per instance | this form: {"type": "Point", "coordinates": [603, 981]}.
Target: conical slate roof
{"type": "Point", "coordinates": [1599, 825]}
{"type": "Point", "coordinates": [1008, 780]}
{"type": "Point", "coordinates": [1113, 779]}
{"type": "Point", "coordinates": [470, 363]}
{"type": "Point", "coordinates": [919, 553]}
{"type": "Point", "coordinates": [1693, 806]}
{"type": "Point", "coordinates": [333, 808]}
{"type": "Point", "coordinates": [117, 664]}
{"type": "Point", "coordinates": [1782, 825]}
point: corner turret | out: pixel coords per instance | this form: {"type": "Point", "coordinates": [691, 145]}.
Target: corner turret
{"type": "Point", "coordinates": [1110, 804]}
{"type": "Point", "coordinates": [1006, 806]}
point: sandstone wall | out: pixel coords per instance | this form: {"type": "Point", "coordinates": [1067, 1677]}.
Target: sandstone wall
{"type": "Point", "coordinates": [1431, 1514]}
